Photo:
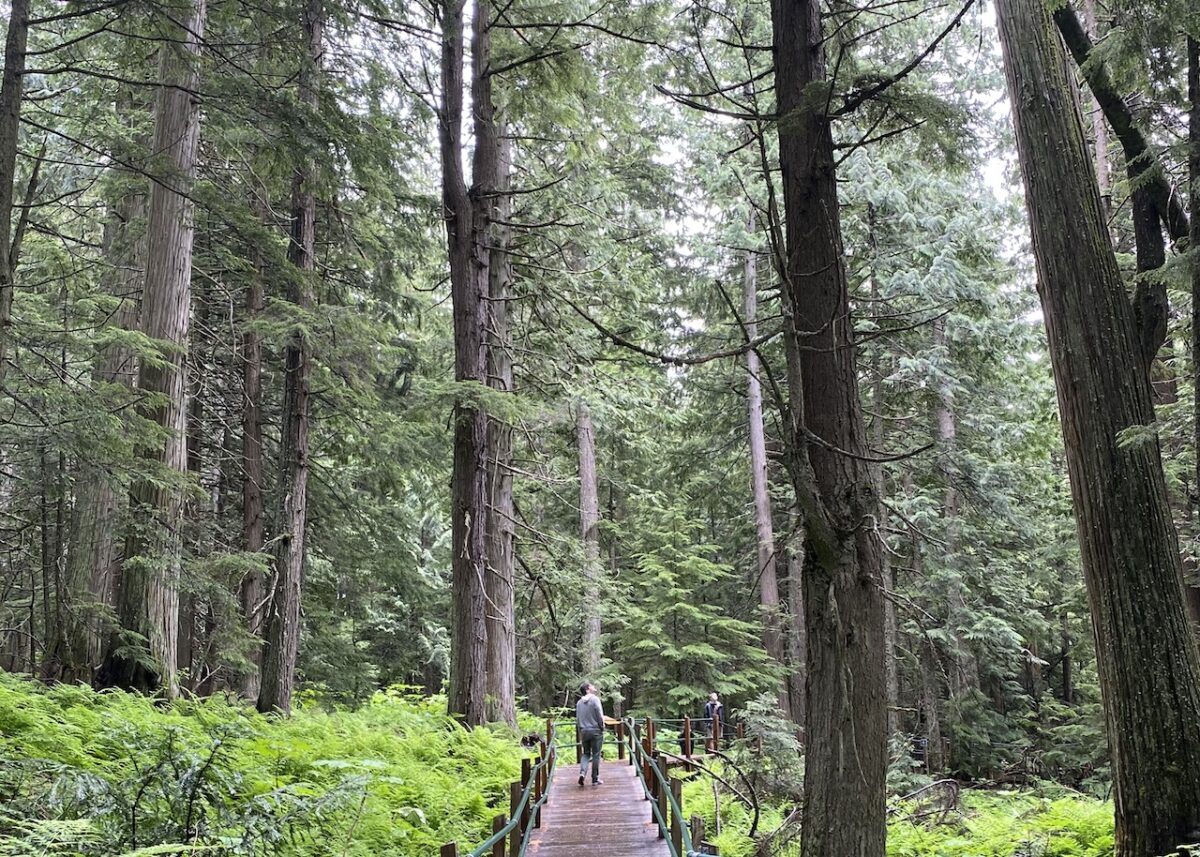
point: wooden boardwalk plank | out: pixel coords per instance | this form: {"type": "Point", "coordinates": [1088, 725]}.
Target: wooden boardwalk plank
{"type": "Point", "coordinates": [611, 819]}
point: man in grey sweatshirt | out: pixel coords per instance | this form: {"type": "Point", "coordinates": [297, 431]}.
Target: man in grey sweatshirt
{"type": "Point", "coordinates": [589, 724]}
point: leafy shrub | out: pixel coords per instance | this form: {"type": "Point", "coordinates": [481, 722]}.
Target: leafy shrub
{"type": "Point", "coordinates": [85, 773]}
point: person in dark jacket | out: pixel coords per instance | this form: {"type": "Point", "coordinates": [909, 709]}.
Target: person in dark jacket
{"type": "Point", "coordinates": [589, 725]}
{"type": "Point", "coordinates": [714, 716]}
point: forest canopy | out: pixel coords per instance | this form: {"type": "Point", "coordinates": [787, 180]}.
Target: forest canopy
{"type": "Point", "coordinates": [376, 373]}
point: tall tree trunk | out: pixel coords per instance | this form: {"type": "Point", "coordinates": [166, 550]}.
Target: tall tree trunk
{"type": "Point", "coordinates": [878, 437]}
{"type": "Point", "coordinates": [282, 623]}
{"type": "Point", "coordinates": [467, 227]}
{"type": "Point", "coordinates": [589, 525]}
{"type": "Point", "coordinates": [1147, 657]}
{"type": "Point", "coordinates": [252, 587]}
{"type": "Point", "coordinates": [148, 600]}
{"type": "Point", "coordinates": [1193, 49]}
{"type": "Point", "coordinates": [501, 619]}
{"type": "Point", "coordinates": [965, 675]}
{"type": "Point", "coordinates": [94, 557]}
{"type": "Point", "coordinates": [1099, 125]}
{"type": "Point", "coordinates": [797, 642]}
{"type": "Point", "coordinates": [1153, 203]}
{"type": "Point", "coordinates": [844, 811]}
{"type": "Point", "coordinates": [765, 578]}
{"type": "Point", "coordinates": [11, 95]}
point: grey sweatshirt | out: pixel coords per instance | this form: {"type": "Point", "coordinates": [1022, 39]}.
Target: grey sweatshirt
{"type": "Point", "coordinates": [589, 714]}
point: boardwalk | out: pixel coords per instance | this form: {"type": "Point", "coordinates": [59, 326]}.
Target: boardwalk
{"type": "Point", "coordinates": [611, 820]}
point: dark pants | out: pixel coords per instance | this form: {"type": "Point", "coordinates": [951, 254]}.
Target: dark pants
{"type": "Point", "coordinates": [593, 746]}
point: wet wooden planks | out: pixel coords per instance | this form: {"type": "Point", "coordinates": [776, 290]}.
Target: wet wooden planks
{"type": "Point", "coordinates": [612, 819]}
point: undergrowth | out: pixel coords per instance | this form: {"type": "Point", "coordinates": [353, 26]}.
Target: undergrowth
{"type": "Point", "coordinates": [88, 773]}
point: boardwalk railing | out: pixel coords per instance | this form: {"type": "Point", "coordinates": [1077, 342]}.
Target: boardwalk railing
{"type": "Point", "coordinates": [511, 833]}
{"type": "Point", "coordinates": [664, 793]}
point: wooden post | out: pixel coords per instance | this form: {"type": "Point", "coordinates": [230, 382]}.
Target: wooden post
{"type": "Point", "coordinates": [697, 831]}
{"type": "Point", "coordinates": [687, 737]}
{"type": "Point", "coordinates": [450, 849]}
{"type": "Point", "coordinates": [540, 787]}
{"type": "Point", "coordinates": [717, 726]}
{"type": "Point", "coordinates": [578, 747]}
{"type": "Point", "coordinates": [677, 817]}
{"type": "Point", "coordinates": [526, 776]}
{"type": "Point", "coordinates": [741, 729]}
{"type": "Point", "coordinates": [514, 835]}
{"type": "Point", "coordinates": [662, 800]}
{"type": "Point", "coordinates": [549, 729]}
{"type": "Point", "coordinates": [620, 730]}
{"type": "Point", "coordinates": [497, 825]}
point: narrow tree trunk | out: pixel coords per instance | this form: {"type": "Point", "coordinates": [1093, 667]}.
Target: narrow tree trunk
{"type": "Point", "coordinates": [94, 557]}
{"type": "Point", "coordinates": [844, 809]}
{"type": "Point", "coordinates": [878, 438]}
{"type": "Point", "coordinates": [1193, 48]}
{"type": "Point", "coordinates": [252, 588]}
{"type": "Point", "coordinates": [1148, 661]}
{"type": "Point", "coordinates": [148, 601]}
{"type": "Point", "coordinates": [11, 96]}
{"type": "Point", "coordinates": [589, 525]}
{"type": "Point", "coordinates": [765, 578]}
{"type": "Point", "coordinates": [965, 675]}
{"type": "Point", "coordinates": [1099, 125]}
{"type": "Point", "coordinates": [501, 619]}
{"type": "Point", "coordinates": [282, 623]}
{"type": "Point", "coordinates": [466, 213]}
{"type": "Point", "coordinates": [797, 634]}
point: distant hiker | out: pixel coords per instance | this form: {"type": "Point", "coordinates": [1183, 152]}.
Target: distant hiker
{"type": "Point", "coordinates": [714, 716]}
{"type": "Point", "coordinates": [589, 724]}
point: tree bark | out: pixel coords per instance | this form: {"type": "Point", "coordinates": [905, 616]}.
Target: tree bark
{"type": "Point", "coordinates": [148, 599]}
{"type": "Point", "coordinates": [467, 229]}
{"type": "Point", "coordinates": [766, 579]}
{"type": "Point", "coordinates": [589, 525]}
{"type": "Point", "coordinates": [11, 96]}
{"type": "Point", "coordinates": [1149, 665]}
{"type": "Point", "coordinates": [282, 623]}
{"type": "Point", "coordinates": [501, 619]}
{"type": "Point", "coordinates": [845, 769]}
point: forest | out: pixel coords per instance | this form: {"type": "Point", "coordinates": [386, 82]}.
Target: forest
{"type": "Point", "coordinates": [375, 373]}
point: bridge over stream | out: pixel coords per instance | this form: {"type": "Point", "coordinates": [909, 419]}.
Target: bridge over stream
{"type": "Point", "coordinates": [636, 812]}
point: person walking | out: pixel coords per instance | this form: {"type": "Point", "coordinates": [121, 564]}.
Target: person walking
{"type": "Point", "coordinates": [589, 724]}
{"type": "Point", "coordinates": [714, 716]}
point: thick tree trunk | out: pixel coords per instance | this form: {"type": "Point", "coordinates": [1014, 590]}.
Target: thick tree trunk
{"type": "Point", "coordinates": [281, 642]}
{"type": "Point", "coordinates": [467, 229]}
{"type": "Point", "coordinates": [253, 539]}
{"type": "Point", "coordinates": [1148, 661]}
{"type": "Point", "coordinates": [11, 95]}
{"type": "Point", "coordinates": [589, 526]}
{"type": "Point", "coordinates": [846, 765]}
{"type": "Point", "coordinates": [765, 578]}
{"type": "Point", "coordinates": [148, 600]}
{"type": "Point", "coordinates": [501, 619]}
